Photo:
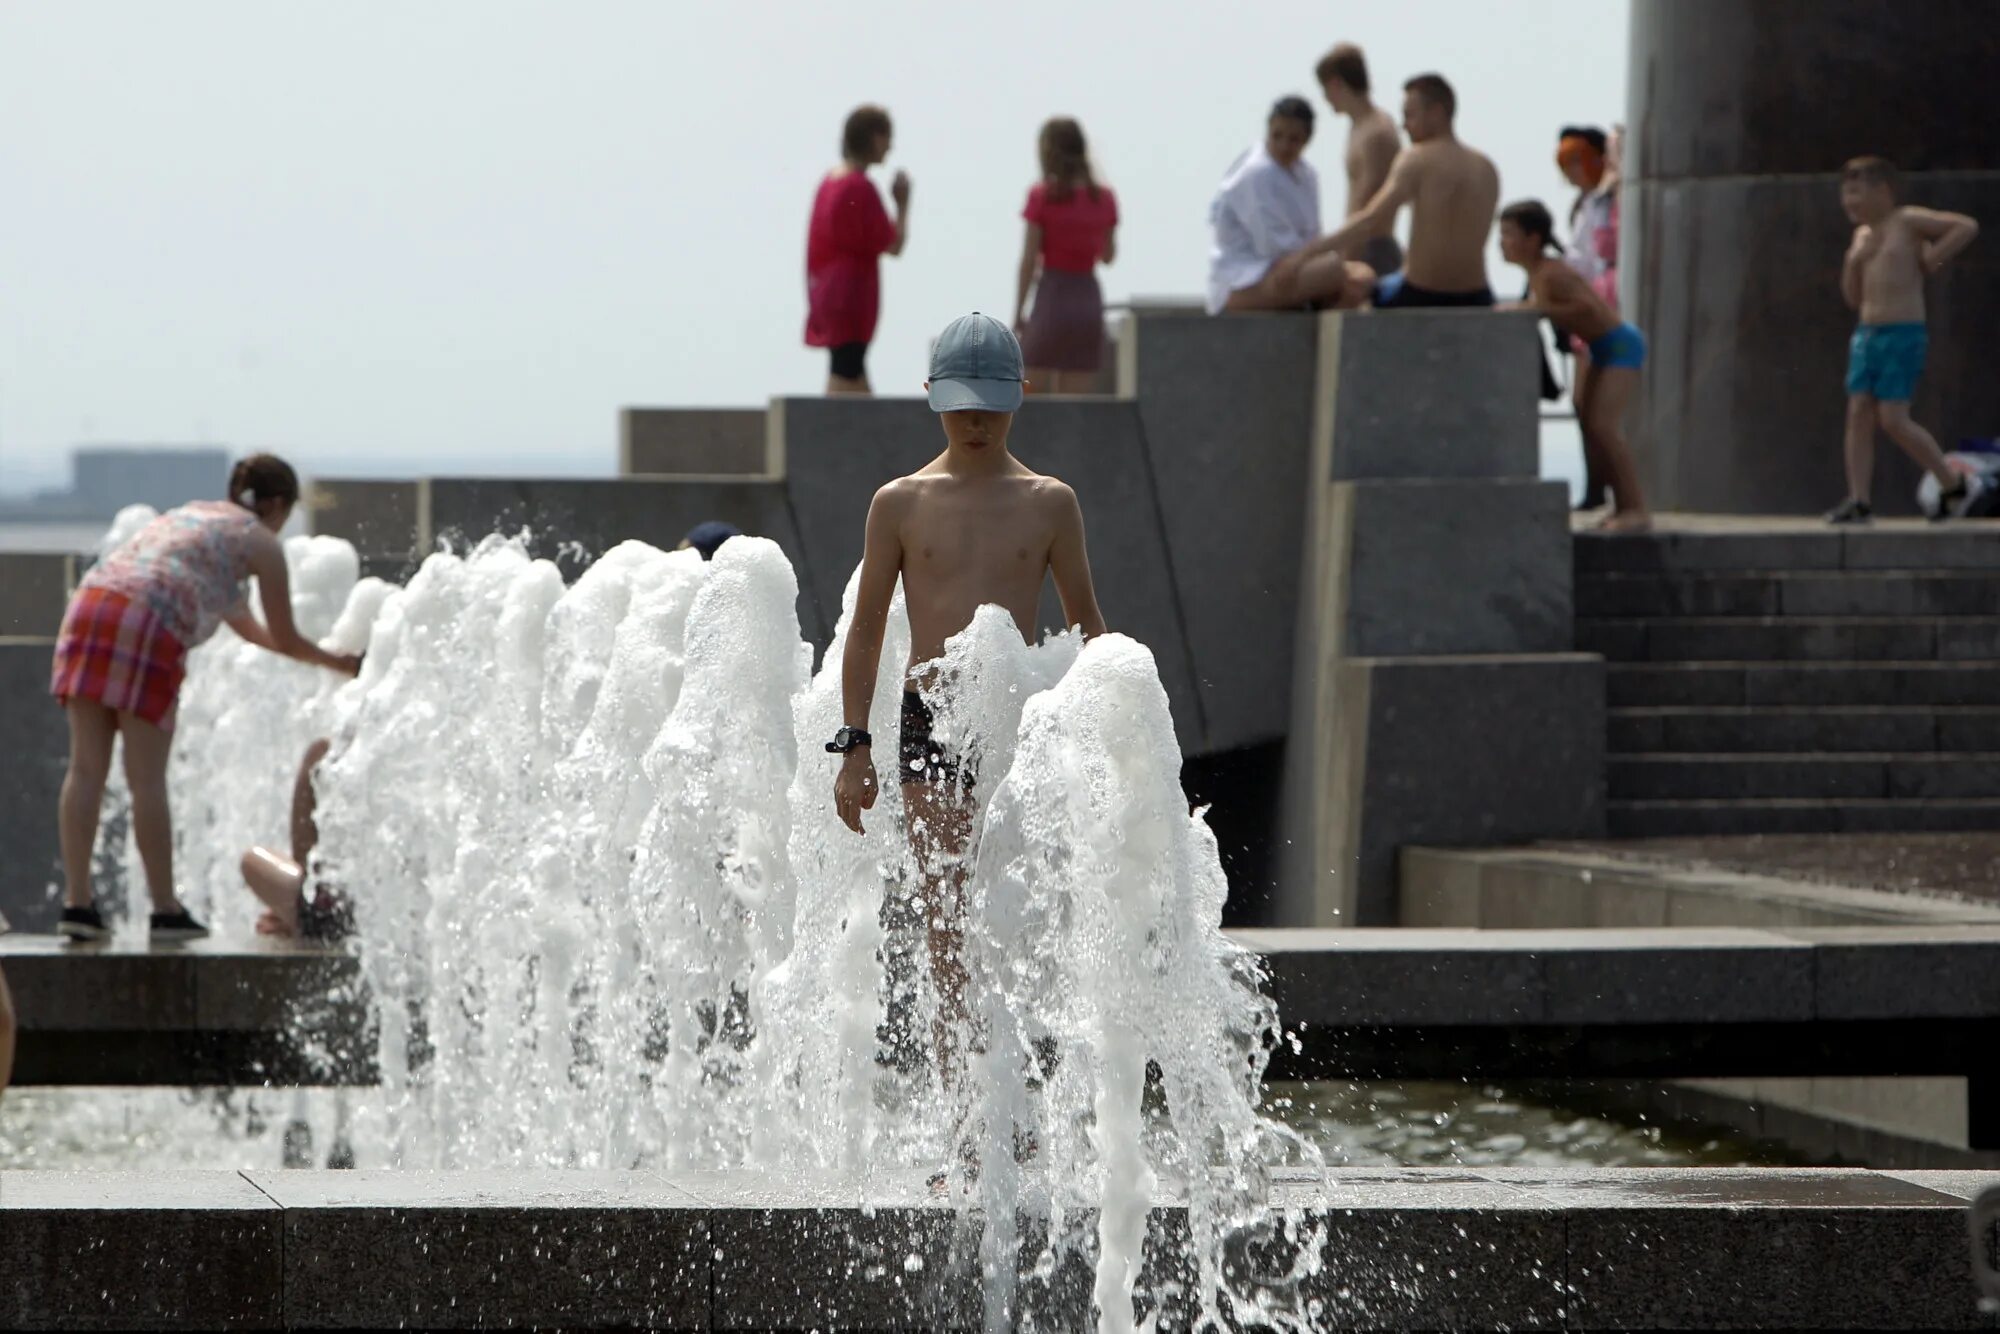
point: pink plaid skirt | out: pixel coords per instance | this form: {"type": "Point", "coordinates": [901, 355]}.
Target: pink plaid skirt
{"type": "Point", "coordinates": [115, 651]}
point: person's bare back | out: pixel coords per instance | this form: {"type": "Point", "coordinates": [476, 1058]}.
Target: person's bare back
{"type": "Point", "coordinates": [1453, 192]}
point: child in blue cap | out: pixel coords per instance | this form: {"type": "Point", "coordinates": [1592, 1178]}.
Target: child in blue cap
{"type": "Point", "coordinates": [973, 526]}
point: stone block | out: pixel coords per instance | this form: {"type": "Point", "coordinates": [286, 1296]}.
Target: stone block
{"type": "Point", "coordinates": [575, 520]}
{"type": "Point", "coordinates": [1438, 887]}
{"type": "Point", "coordinates": [696, 442]}
{"type": "Point", "coordinates": [1774, 729]}
{"type": "Point", "coordinates": [394, 1249]}
{"type": "Point", "coordinates": [139, 1250]}
{"type": "Point", "coordinates": [385, 520]}
{"type": "Point", "coordinates": [1734, 777]}
{"type": "Point", "coordinates": [1709, 1248]}
{"type": "Point", "coordinates": [1678, 685]}
{"type": "Point", "coordinates": [1442, 567]}
{"type": "Point", "coordinates": [1415, 751]}
{"type": "Point", "coordinates": [1428, 394]}
{"type": "Point", "coordinates": [34, 736]}
{"type": "Point", "coordinates": [1872, 972]}
{"type": "Point", "coordinates": [1835, 683]}
{"type": "Point", "coordinates": [34, 592]}
{"type": "Point", "coordinates": [1898, 594]}
{"type": "Point", "coordinates": [1400, 976]}
{"type": "Point", "coordinates": [1678, 819]}
{"type": "Point", "coordinates": [1968, 640]}
{"type": "Point", "coordinates": [838, 451]}
{"type": "Point", "coordinates": [1670, 594]}
{"type": "Point", "coordinates": [1718, 975]}
{"type": "Point", "coordinates": [1718, 552]}
{"type": "Point", "coordinates": [1525, 895]}
{"type": "Point", "coordinates": [1968, 729]}
{"type": "Point", "coordinates": [1923, 547]}
{"type": "Point", "coordinates": [1791, 638]}
{"type": "Point", "coordinates": [1436, 1250]}
{"type": "Point", "coordinates": [117, 987]}
{"type": "Point", "coordinates": [1226, 408]}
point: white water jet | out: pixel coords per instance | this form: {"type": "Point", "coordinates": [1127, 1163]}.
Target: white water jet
{"type": "Point", "coordinates": [609, 918]}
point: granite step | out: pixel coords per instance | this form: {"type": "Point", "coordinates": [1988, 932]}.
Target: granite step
{"type": "Point", "coordinates": [1789, 593]}
{"type": "Point", "coordinates": [1719, 684]}
{"type": "Point", "coordinates": [1764, 729]}
{"type": "Point", "coordinates": [1824, 776]}
{"type": "Point", "coordinates": [1807, 815]}
{"type": "Point", "coordinates": [1794, 546]}
{"type": "Point", "coordinates": [1791, 638]}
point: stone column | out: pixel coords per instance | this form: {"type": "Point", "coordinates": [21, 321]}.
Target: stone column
{"type": "Point", "coordinates": [1741, 114]}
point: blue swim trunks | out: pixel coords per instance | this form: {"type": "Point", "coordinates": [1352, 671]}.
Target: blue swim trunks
{"type": "Point", "coordinates": [1623, 349]}
{"type": "Point", "coordinates": [1885, 361]}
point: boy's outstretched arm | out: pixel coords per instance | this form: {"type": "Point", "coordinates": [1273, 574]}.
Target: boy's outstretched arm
{"type": "Point", "coordinates": [1069, 562]}
{"type": "Point", "coordinates": [1945, 234]}
{"type": "Point", "coordinates": [855, 789]}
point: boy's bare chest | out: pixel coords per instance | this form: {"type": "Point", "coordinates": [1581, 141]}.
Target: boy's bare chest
{"type": "Point", "coordinates": [952, 539]}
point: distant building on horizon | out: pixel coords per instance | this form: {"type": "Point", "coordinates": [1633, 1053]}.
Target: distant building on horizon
{"type": "Point", "coordinates": [106, 478]}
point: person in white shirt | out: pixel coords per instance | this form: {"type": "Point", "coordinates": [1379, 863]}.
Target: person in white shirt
{"type": "Point", "coordinates": [1267, 252]}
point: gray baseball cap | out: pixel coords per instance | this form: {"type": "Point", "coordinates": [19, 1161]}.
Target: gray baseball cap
{"type": "Point", "coordinates": [975, 364]}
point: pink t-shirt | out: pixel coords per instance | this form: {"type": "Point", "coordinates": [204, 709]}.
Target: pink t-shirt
{"type": "Point", "coordinates": [847, 236]}
{"type": "Point", "coordinates": [1074, 228]}
{"type": "Point", "coordinates": [188, 566]}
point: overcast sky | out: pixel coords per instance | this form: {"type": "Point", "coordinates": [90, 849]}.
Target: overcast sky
{"type": "Point", "coordinates": [458, 235]}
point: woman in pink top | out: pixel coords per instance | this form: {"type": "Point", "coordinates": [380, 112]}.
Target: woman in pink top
{"type": "Point", "coordinates": [1072, 227]}
{"type": "Point", "coordinates": [122, 652]}
{"type": "Point", "coordinates": [849, 233]}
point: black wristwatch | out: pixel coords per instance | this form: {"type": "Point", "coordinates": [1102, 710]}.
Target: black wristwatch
{"type": "Point", "coordinates": [848, 738]}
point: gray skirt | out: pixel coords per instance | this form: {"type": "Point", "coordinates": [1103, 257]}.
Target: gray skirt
{"type": "Point", "coordinates": [1066, 326]}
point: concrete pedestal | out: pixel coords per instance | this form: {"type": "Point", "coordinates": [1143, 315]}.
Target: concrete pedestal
{"type": "Point", "coordinates": [1433, 699]}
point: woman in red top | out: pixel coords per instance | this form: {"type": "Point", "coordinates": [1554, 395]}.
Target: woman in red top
{"type": "Point", "coordinates": [849, 232]}
{"type": "Point", "coordinates": [1072, 225]}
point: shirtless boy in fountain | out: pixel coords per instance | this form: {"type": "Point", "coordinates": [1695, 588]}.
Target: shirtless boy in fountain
{"type": "Point", "coordinates": [973, 526]}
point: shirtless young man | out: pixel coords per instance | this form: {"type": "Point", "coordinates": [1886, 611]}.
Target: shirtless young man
{"type": "Point", "coordinates": [1895, 247]}
{"type": "Point", "coordinates": [1372, 145]}
{"type": "Point", "coordinates": [1452, 191]}
{"type": "Point", "coordinates": [973, 526]}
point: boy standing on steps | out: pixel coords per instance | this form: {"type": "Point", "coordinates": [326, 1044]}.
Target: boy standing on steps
{"type": "Point", "coordinates": [1895, 248]}
{"type": "Point", "coordinates": [973, 526]}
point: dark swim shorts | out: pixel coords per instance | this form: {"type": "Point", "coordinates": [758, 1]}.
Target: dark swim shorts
{"type": "Point", "coordinates": [921, 759]}
{"type": "Point", "coordinates": [1396, 292]}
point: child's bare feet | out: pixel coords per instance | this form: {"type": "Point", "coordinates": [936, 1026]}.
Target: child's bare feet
{"type": "Point", "coordinates": [270, 924]}
{"type": "Point", "coordinates": [1626, 521]}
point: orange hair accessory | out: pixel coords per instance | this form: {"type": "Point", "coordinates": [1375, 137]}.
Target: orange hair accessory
{"type": "Point", "coordinates": [1573, 150]}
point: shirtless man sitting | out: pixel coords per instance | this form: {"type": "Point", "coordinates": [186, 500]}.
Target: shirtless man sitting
{"type": "Point", "coordinates": [1372, 145]}
{"type": "Point", "coordinates": [973, 526]}
{"type": "Point", "coordinates": [1452, 191]}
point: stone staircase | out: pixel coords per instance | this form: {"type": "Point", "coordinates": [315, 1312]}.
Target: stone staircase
{"type": "Point", "coordinates": [1787, 679]}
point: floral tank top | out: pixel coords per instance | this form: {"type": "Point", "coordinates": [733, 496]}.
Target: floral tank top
{"type": "Point", "coordinates": [188, 566]}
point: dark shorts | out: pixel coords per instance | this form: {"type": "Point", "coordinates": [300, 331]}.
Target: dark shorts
{"type": "Point", "coordinates": [1384, 254]}
{"type": "Point", "coordinates": [1394, 293]}
{"type": "Point", "coordinates": [325, 916]}
{"type": "Point", "coordinates": [920, 758]}
{"type": "Point", "coordinates": [850, 361]}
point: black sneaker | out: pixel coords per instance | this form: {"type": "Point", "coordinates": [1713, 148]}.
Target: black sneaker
{"type": "Point", "coordinates": [171, 928]}
{"type": "Point", "coordinates": [1851, 511]}
{"type": "Point", "coordinates": [83, 924]}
